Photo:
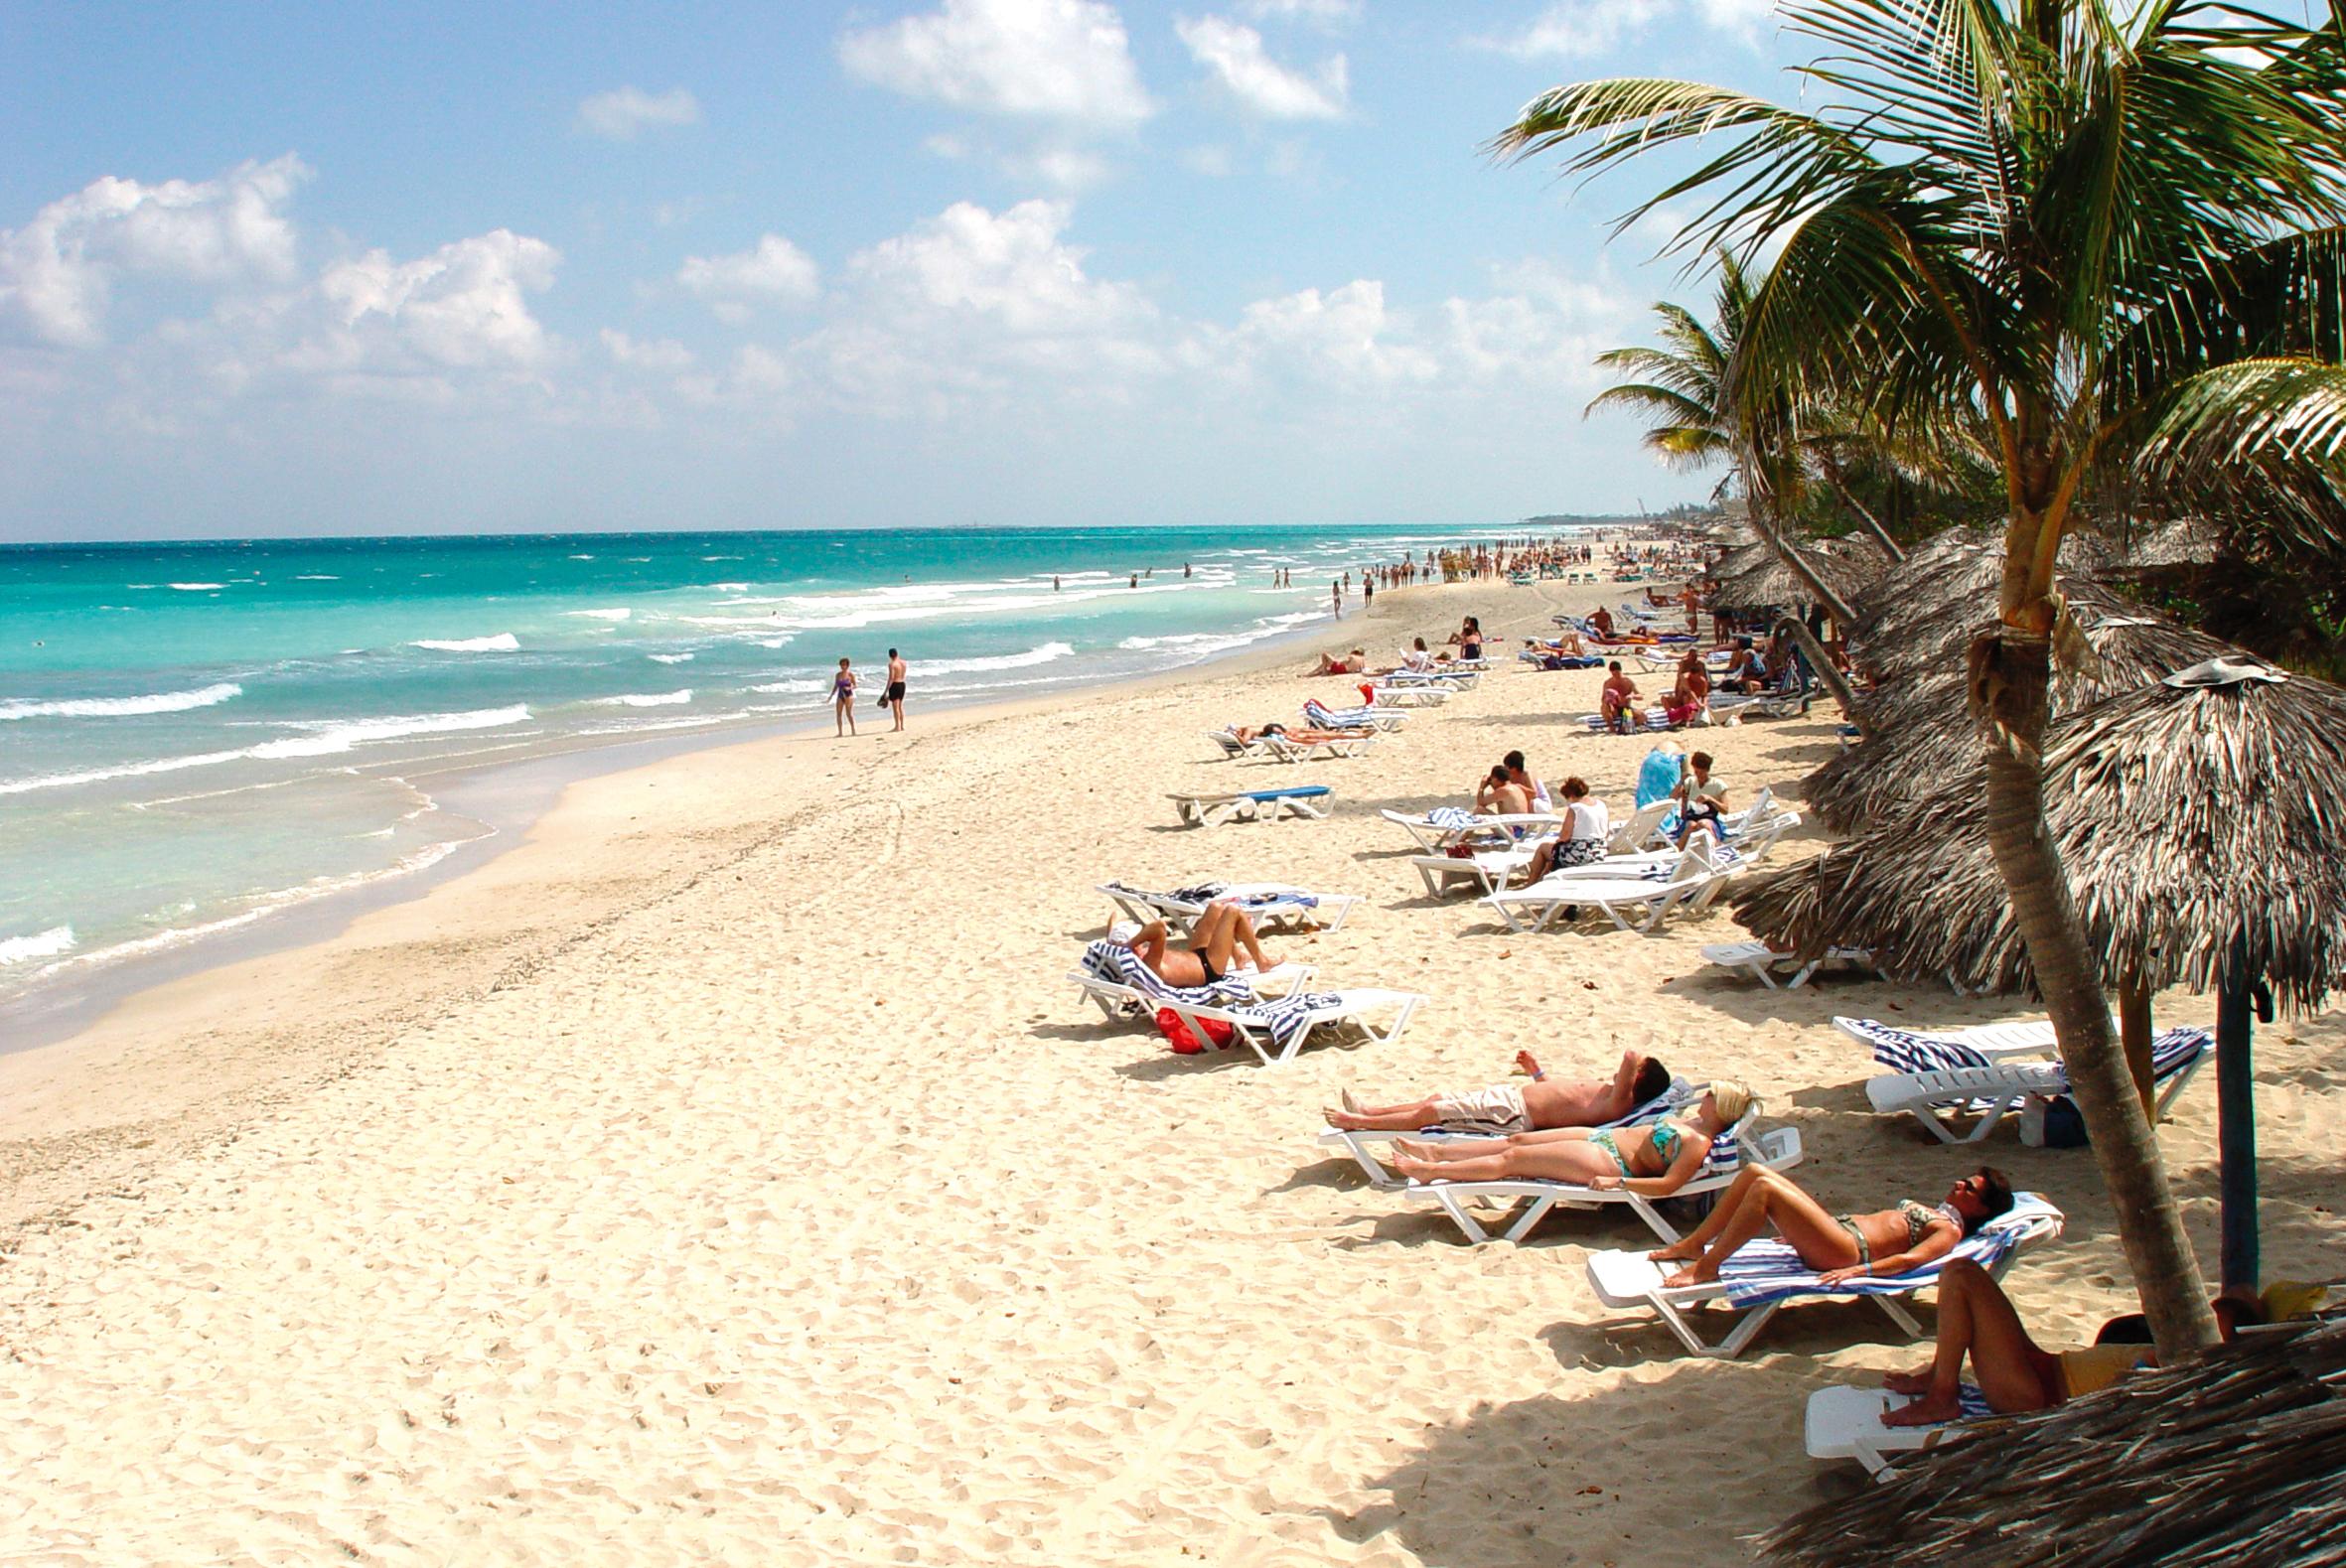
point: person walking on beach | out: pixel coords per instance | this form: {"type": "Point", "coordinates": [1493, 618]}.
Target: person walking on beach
{"type": "Point", "coordinates": [1055, 582]}
{"type": "Point", "coordinates": [1336, 599]}
{"type": "Point", "coordinates": [843, 699]}
{"type": "Point", "coordinates": [895, 697]}
{"type": "Point", "coordinates": [1368, 591]}
{"type": "Point", "coordinates": [1135, 582]}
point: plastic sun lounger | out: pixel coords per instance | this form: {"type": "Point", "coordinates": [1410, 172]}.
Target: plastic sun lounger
{"type": "Point", "coordinates": [1993, 1090]}
{"type": "Point", "coordinates": [1654, 720]}
{"type": "Point", "coordinates": [1453, 675]}
{"type": "Point", "coordinates": [1532, 1199]}
{"type": "Point", "coordinates": [1300, 908]}
{"type": "Point", "coordinates": [1425, 694]}
{"type": "Point", "coordinates": [1770, 1276]}
{"type": "Point", "coordinates": [1119, 1000]}
{"type": "Point", "coordinates": [1842, 1422]}
{"type": "Point", "coordinates": [1694, 883]}
{"type": "Point", "coordinates": [1354, 1005]}
{"type": "Point", "coordinates": [1486, 870]}
{"type": "Point", "coordinates": [1287, 749]}
{"type": "Point", "coordinates": [1253, 806]}
{"type": "Point", "coordinates": [1435, 837]}
{"type": "Point", "coordinates": [1320, 716]}
{"type": "Point", "coordinates": [1759, 960]}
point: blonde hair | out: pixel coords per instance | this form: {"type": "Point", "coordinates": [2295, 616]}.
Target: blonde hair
{"type": "Point", "coordinates": [1733, 1100]}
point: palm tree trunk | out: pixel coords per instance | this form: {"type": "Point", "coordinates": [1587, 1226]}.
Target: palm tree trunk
{"type": "Point", "coordinates": [1828, 673]}
{"type": "Point", "coordinates": [1881, 535]}
{"type": "Point", "coordinates": [2011, 682]}
{"type": "Point", "coordinates": [2133, 1030]}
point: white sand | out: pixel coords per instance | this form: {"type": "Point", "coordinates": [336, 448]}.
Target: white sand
{"type": "Point", "coordinates": [727, 1174]}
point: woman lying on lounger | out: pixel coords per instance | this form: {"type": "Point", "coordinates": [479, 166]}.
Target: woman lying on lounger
{"type": "Point", "coordinates": [1653, 1160]}
{"type": "Point", "coordinates": [1839, 1247]}
{"type": "Point", "coordinates": [1213, 943]}
{"type": "Point", "coordinates": [1303, 735]}
{"type": "Point", "coordinates": [1517, 1107]}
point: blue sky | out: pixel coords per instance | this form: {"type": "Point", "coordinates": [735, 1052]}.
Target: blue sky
{"type": "Point", "coordinates": [369, 269]}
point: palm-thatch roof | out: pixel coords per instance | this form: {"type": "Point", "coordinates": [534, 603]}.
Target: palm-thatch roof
{"type": "Point", "coordinates": [1919, 726]}
{"type": "Point", "coordinates": [2190, 813]}
{"type": "Point", "coordinates": [2233, 1459]}
{"type": "Point", "coordinates": [1755, 577]}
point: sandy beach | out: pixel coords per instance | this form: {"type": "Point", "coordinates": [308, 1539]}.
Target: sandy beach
{"type": "Point", "coordinates": [727, 1173]}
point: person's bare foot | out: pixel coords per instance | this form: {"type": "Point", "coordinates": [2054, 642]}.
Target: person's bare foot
{"type": "Point", "coordinates": [1342, 1121]}
{"type": "Point", "coordinates": [1695, 1273]}
{"type": "Point", "coordinates": [1675, 1252]}
{"type": "Point", "coordinates": [1926, 1411]}
{"type": "Point", "coordinates": [1909, 1383]}
{"type": "Point", "coordinates": [1526, 1062]}
{"type": "Point", "coordinates": [1410, 1166]}
{"type": "Point", "coordinates": [1352, 1103]}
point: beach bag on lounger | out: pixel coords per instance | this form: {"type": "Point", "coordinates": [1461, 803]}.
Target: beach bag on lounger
{"type": "Point", "coordinates": [1218, 1034]}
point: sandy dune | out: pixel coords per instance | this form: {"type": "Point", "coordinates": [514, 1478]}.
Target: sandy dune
{"type": "Point", "coordinates": [728, 1175]}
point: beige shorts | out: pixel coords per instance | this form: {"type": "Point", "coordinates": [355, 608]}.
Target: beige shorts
{"type": "Point", "coordinates": [1498, 1107]}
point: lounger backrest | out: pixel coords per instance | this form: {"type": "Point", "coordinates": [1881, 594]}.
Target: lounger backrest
{"type": "Point", "coordinates": [1906, 1050]}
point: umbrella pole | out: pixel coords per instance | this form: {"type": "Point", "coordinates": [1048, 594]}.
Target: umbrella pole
{"type": "Point", "coordinates": [2236, 1130]}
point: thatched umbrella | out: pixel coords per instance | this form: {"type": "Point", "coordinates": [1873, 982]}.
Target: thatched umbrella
{"type": "Point", "coordinates": [2232, 1459]}
{"type": "Point", "coordinates": [1755, 577]}
{"type": "Point", "coordinates": [2198, 818]}
{"type": "Point", "coordinates": [1919, 727]}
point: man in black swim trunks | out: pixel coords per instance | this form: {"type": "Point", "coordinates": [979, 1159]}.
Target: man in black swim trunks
{"type": "Point", "coordinates": [895, 697]}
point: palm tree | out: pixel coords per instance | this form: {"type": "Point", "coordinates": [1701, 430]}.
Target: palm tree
{"type": "Point", "coordinates": [1691, 423]}
{"type": "Point", "coordinates": [2113, 242]}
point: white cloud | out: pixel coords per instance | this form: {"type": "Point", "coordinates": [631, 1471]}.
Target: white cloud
{"type": "Point", "coordinates": [1234, 52]}
{"type": "Point", "coordinates": [1064, 61]}
{"type": "Point", "coordinates": [464, 306]}
{"type": "Point", "coordinates": [774, 272]}
{"type": "Point", "coordinates": [1210, 159]}
{"type": "Point", "coordinates": [1344, 337]}
{"type": "Point", "coordinates": [1580, 29]}
{"type": "Point", "coordinates": [1323, 13]}
{"type": "Point", "coordinates": [657, 355]}
{"type": "Point", "coordinates": [624, 111]}
{"type": "Point", "coordinates": [57, 272]}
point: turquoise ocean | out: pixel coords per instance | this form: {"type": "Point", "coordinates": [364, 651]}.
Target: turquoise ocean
{"type": "Point", "coordinates": [194, 735]}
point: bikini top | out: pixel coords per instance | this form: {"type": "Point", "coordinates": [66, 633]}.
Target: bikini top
{"type": "Point", "coordinates": [1920, 1218]}
{"type": "Point", "coordinates": [1664, 1141]}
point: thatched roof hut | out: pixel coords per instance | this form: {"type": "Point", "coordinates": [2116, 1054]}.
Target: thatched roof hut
{"type": "Point", "coordinates": [1755, 577]}
{"type": "Point", "coordinates": [2192, 815]}
{"type": "Point", "coordinates": [1921, 736]}
{"type": "Point", "coordinates": [2234, 1458]}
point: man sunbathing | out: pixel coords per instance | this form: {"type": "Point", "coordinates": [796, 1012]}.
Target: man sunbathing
{"type": "Point", "coordinates": [1976, 1320]}
{"type": "Point", "coordinates": [1517, 1107]}
{"type": "Point", "coordinates": [1837, 1246]}
{"type": "Point", "coordinates": [1351, 663]}
{"type": "Point", "coordinates": [1304, 735]}
{"type": "Point", "coordinates": [1214, 943]}
{"type": "Point", "coordinates": [1651, 1158]}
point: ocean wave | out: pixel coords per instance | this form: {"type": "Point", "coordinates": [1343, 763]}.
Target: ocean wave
{"type": "Point", "coordinates": [502, 642]}
{"type": "Point", "coordinates": [1176, 639]}
{"type": "Point", "coordinates": [198, 588]}
{"type": "Point", "coordinates": [729, 587]}
{"type": "Point", "coordinates": [793, 686]}
{"type": "Point", "coordinates": [119, 707]}
{"type": "Point", "coordinates": [46, 944]}
{"type": "Point", "coordinates": [159, 764]}
{"type": "Point", "coordinates": [600, 614]}
{"type": "Point", "coordinates": [316, 577]}
{"type": "Point", "coordinates": [669, 659]}
{"type": "Point", "coordinates": [331, 739]}
{"type": "Point", "coordinates": [663, 699]}
{"type": "Point", "coordinates": [957, 666]}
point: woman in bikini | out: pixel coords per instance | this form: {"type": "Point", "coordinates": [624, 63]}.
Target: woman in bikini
{"type": "Point", "coordinates": [1839, 1247]}
{"type": "Point", "coordinates": [1654, 1159]}
{"type": "Point", "coordinates": [1214, 946]}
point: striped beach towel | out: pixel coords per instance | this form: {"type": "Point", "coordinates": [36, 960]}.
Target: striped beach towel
{"type": "Point", "coordinates": [1118, 964]}
{"type": "Point", "coordinates": [1328, 718]}
{"type": "Point", "coordinates": [1765, 1271]}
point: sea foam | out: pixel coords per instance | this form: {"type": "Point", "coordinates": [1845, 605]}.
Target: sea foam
{"type": "Point", "coordinates": [46, 944]}
{"type": "Point", "coordinates": [119, 707]}
{"type": "Point", "coordinates": [502, 642]}
{"type": "Point", "coordinates": [660, 699]}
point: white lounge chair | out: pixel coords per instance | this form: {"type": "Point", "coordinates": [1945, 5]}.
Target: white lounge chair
{"type": "Point", "coordinates": [1422, 694]}
{"type": "Point", "coordinates": [1322, 717]}
{"type": "Point", "coordinates": [1253, 806]}
{"type": "Point", "coordinates": [1637, 830]}
{"type": "Point", "coordinates": [1271, 906]}
{"type": "Point", "coordinates": [1904, 1050]}
{"type": "Point", "coordinates": [1364, 1144]}
{"type": "Point", "coordinates": [1847, 1423]}
{"type": "Point", "coordinates": [1764, 962]}
{"type": "Point", "coordinates": [1993, 1089]}
{"type": "Point", "coordinates": [1444, 826]}
{"type": "Point", "coordinates": [1452, 675]}
{"type": "Point", "coordinates": [1325, 748]}
{"type": "Point", "coordinates": [1690, 885]}
{"type": "Point", "coordinates": [1778, 1148]}
{"type": "Point", "coordinates": [1486, 870]}
{"type": "Point", "coordinates": [1764, 1275]}
{"type": "Point", "coordinates": [1275, 1029]}
{"type": "Point", "coordinates": [1654, 719]}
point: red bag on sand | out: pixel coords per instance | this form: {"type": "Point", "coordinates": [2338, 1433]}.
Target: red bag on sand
{"type": "Point", "coordinates": [1368, 692]}
{"type": "Point", "coordinates": [1186, 1044]}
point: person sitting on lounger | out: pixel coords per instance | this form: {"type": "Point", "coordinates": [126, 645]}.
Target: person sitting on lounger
{"type": "Point", "coordinates": [1839, 1247]}
{"type": "Point", "coordinates": [1214, 943]}
{"type": "Point", "coordinates": [1601, 622]}
{"type": "Point", "coordinates": [1520, 772]}
{"type": "Point", "coordinates": [1617, 703]}
{"type": "Point", "coordinates": [1352, 664]}
{"type": "Point", "coordinates": [1691, 695]}
{"type": "Point", "coordinates": [1746, 672]}
{"type": "Point", "coordinates": [1500, 793]}
{"type": "Point", "coordinates": [2014, 1375]}
{"type": "Point", "coordinates": [1418, 659]}
{"type": "Point", "coordinates": [1518, 1107]}
{"type": "Point", "coordinates": [1653, 1160]}
{"type": "Point", "coordinates": [1702, 799]}
{"type": "Point", "coordinates": [1468, 638]}
{"type": "Point", "coordinates": [1582, 843]}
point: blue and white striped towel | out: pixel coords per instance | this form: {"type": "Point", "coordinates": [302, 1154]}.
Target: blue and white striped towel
{"type": "Point", "coordinates": [1120, 965]}
{"type": "Point", "coordinates": [1904, 1051]}
{"type": "Point", "coordinates": [1765, 1271]}
{"type": "Point", "coordinates": [1449, 818]}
